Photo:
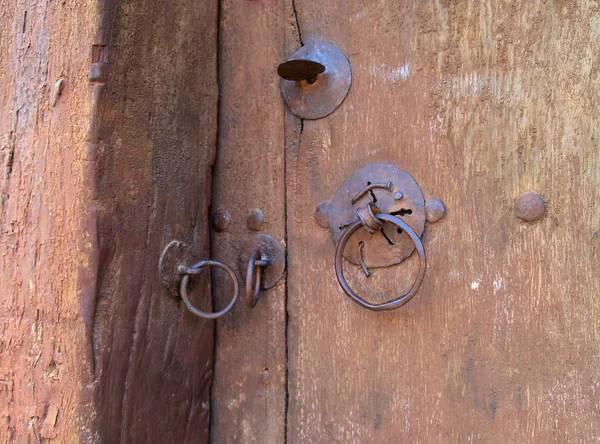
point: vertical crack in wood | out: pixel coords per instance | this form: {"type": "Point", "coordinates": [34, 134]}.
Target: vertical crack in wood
{"type": "Point", "coordinates": [301, 44]}
{"type": "Point", "coordinates": [297, 22]}
{"type": "Point", "coordinates": [212, 167]}
{"type": "Point", "coordinates": [292, 137]}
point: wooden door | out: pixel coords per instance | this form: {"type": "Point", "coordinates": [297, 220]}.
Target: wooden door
{"type": "Point", "coordinates": [479, 101]}
{"type": "Point", "coordinates": [113, 113]}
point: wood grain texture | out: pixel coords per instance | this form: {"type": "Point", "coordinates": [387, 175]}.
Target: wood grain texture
{"type": "Point", "coordinates": [47, 259]}
{"type": "Point", "coordinates": [96, 179]}
{"type": "Point", "coordinates": [249, 391]}
{"type": "Point", "coordinates": [479, 101]}
{"type": "Point", "coordinates": [156, 145]}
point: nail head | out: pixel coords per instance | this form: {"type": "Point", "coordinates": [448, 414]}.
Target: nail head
{"type": "Point", "coordinates": [256, 219]}
{"type": "Point", "coordinates": [435, 210]}
{"type": "Point", "coordinates": [322, 214]}
{"type": "Point", "coordinates": [221, 220]}
{"type": "Point", "coordinates": [530, 206]}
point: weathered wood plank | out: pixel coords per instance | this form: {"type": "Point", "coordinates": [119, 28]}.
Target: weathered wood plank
{"type": "Point", "coordinates": [249, 391]}
{"type": "Point", "coordinates": [157, 140]}
{"type": "Point", "coordinates": [95, 182]}
{"type": "Point", "coordinates": [46, 263]}
{"type": "Point", "coordinates": [479, 101]}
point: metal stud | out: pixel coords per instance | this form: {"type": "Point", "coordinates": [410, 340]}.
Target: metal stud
{"type": "Point", "coordinates": [530, 206]}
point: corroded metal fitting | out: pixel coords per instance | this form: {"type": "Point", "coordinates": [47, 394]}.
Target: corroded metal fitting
{"type": "Point", "coordinates": [368, 217]}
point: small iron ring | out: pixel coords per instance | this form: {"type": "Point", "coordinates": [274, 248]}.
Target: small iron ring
{"type": "Point", "coordinates": [195, 269]}
{"type": "Point", "coordinates": [253, 275]}
{"type": "Point", "coordinates": [394, 303]}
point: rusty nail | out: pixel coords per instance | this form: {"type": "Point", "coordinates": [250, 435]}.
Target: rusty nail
{"type": "Point", "coordinates": [322, 214]}
{"type": "Point", "coordinates": [385, 186]}
{"type": "Point", "coordinates": [435, 210]}
{"type": "Point", "coordinates": [255, 219]}
{"type": "Point", "coordinates": [221, 220]}
{"type": "Point", "coordinates": [361, 245]}
{"type": "Point", "coordinates": [530, 206]}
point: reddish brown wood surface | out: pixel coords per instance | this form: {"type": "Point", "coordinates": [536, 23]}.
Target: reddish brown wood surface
{"type": "Point", "coordinates": [157, 140]}
{"type": "Point", "coordinates": [47, 242]}
{"type": "Point", "coordinates": [479, 101]}
{"type": "Point", "coordinates": [95, 183]}
{"type": "Point", "coordinates": [249, 394]}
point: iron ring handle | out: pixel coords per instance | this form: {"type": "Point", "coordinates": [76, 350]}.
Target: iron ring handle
{"type": "Point", "coordinates": [254, 276]}
{"type": "Point", "coordinates": [195, 269]}
{"type": "Point", "coordinates": [394, 303]}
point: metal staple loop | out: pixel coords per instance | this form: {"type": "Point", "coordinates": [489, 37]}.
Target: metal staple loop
{"type": "Point", "coordinates": [368, 217]}
{"type": "Point", "coordinates": [256, 264]}
{"type": "Point", "coordinates": [195, 270]}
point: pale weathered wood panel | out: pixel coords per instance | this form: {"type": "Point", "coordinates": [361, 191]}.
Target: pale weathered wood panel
{"type": "Point", "coordinates": [479, 101]}
{"type": "Point", "coordinates": [249, 393]}
{"type": "Point", "coordinates": [47, 257]}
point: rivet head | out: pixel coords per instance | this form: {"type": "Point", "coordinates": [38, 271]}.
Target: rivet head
{"type": "Point", "coordinates": [530, 206]}
{"type": "Point", "coordinates": [322, 214]}
{"type": "Point", "coordinates": [221, 220]}
{"type": "Point", "coordinates": [435, 210]}
{"type": "Point", "coordinates": [255, 220]}
{"type": "Point", "coordinates": [398, 195]}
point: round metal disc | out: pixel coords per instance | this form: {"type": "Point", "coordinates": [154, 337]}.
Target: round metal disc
{"type": "Point", "coordinates": [176, 253]}
{"type": "Point", "coordinates": [269, 249]}
{"type": "Point", "coordinates": [393, 245]}
{"type": "Point", "coordinates": [321, 98]}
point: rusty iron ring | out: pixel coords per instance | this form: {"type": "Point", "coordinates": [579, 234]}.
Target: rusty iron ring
{"type": "Point", "coordinates": [194, 270]}
{"type": "Point", "coordinates": [394, 303]}
{"type": "Point", "coordinates": [254, 275]}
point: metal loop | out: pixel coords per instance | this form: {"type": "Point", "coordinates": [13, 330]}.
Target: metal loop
{"type": "Point", "coordinates": [394, 303]}
{"type": "Point", "coordinates": [254, 275]}
{"type": "Point", "coordinates": [368, 217]}
{"type": "Point", "coordinates": [194, 270]}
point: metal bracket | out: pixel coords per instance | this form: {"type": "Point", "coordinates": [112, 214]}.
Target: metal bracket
{"type": "Point", "coordinates": [396, 193]}
{"type": "Point", "coordinates": [176, 253]}
{"type": "Point", "coordinates": [315, 80]}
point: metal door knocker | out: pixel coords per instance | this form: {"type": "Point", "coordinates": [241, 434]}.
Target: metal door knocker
{"type": "Point", "coordinates": [387, 202]}
{"type": "Point", "coordinates": [175, 276]}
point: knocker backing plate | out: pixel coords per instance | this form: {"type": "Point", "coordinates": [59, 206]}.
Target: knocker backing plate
{"type": "Point", "coordinates": [391, 245]}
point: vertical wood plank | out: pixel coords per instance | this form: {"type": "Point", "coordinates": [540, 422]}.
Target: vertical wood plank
{"type": "Point", "coordinates": [156, 145]}
{"type": "Point", "coordinates": [249, 391]}
{"type": "Point", "coordinates": [46, 263]}
{"type": "Point", "coordinates": [479, 101]}
{"type": "Point", "coordinates": [93, 186]}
